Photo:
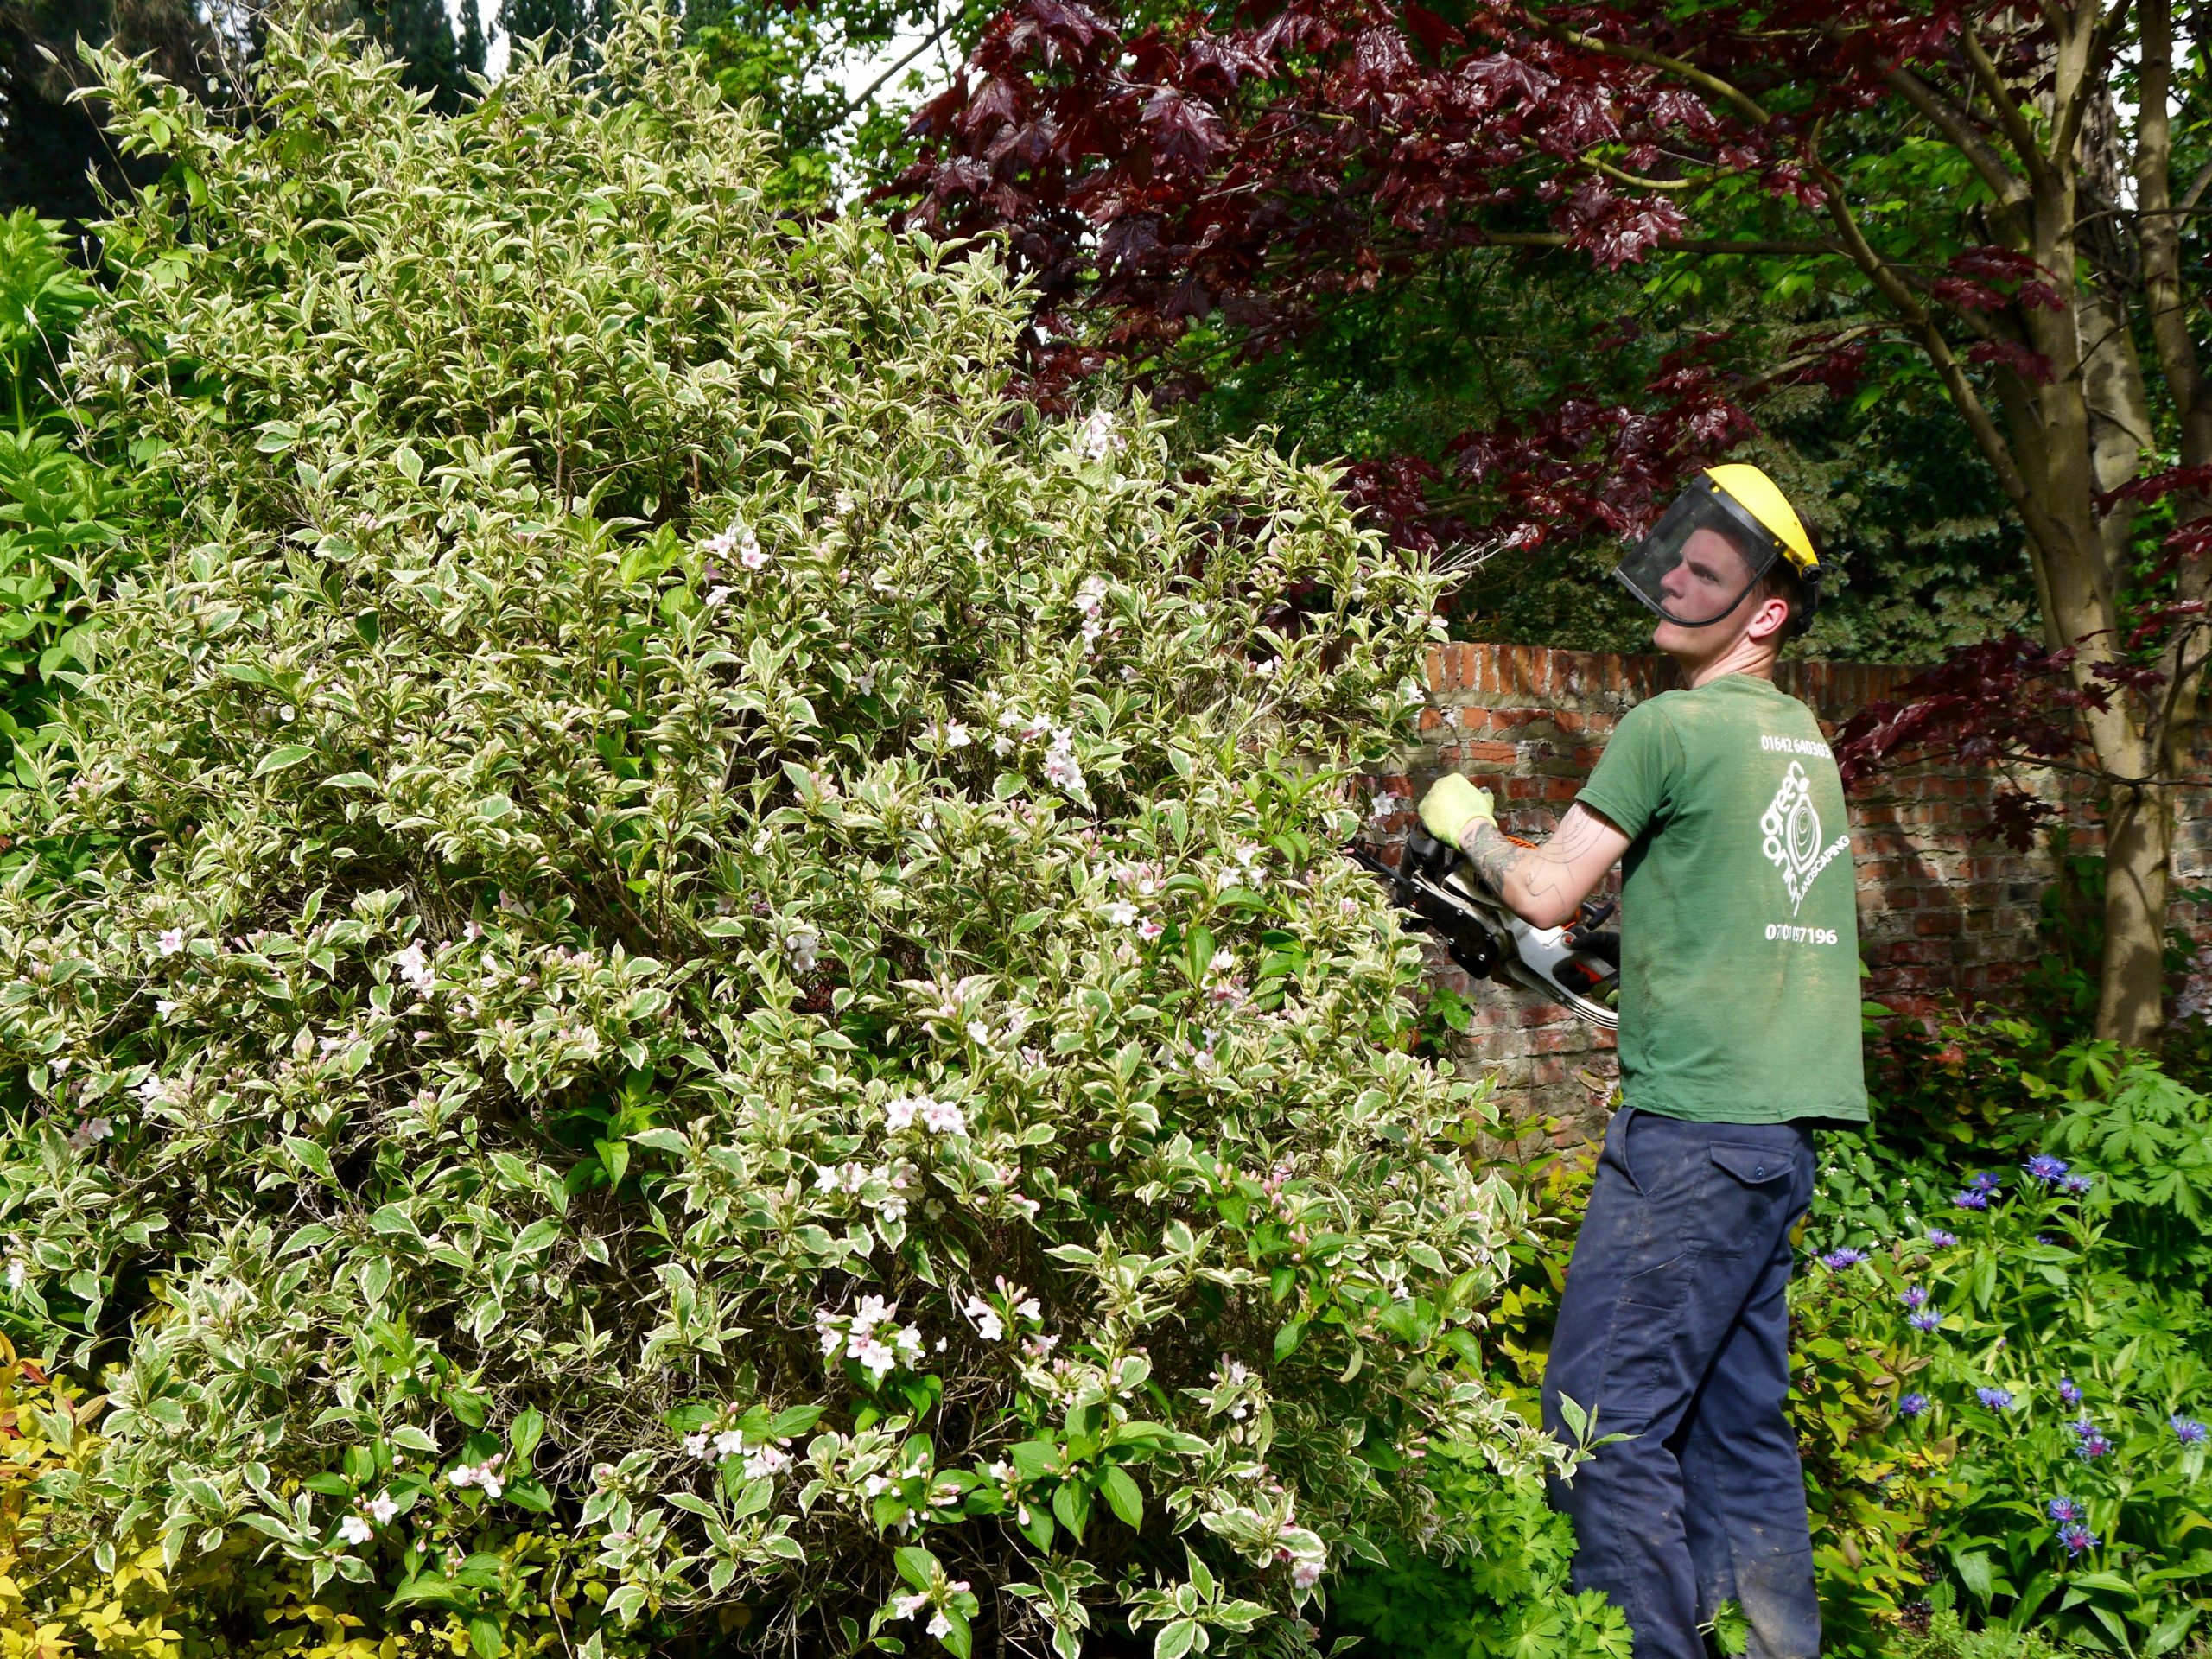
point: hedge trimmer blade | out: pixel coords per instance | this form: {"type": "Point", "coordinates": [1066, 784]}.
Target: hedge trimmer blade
{"type": "Point", "coordinates": [1576, 966]}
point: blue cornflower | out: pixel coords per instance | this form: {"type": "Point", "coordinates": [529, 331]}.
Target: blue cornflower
{"type": "Point", "coordinates": [1927, 1319]}
{"type": "Point", "coordinates": [2063, 1509]}
{"type": "Point", "coordinates": [1972, 1199]}
{"type": "Point", "coordinates": [1985, 1181]}
{"type": "Point", "coordinates": [1843, 1258]}
{"type": "Point", "coordinates": [1912, 1405]}
{"type": "Point", "coordinates": [2190, 1431]}
{"type": "Point", "coordinates": [2091, 1443]}
{"type": "Point", "coordinates": [2076, 1537]}
{"type": "Point", "coordinates": [2045, 1168]}
{"type": "Point", "coordinates": [2068, 1394]}
{"type": "Point", "coordinates": [1995, 1398]}
{"type": "Point", "coordinates": [1915, 1296]}
{"type": "Point", "coordinates": [1941, 1240]}
{"type": "Point", "coordinates": [2077, 1185]}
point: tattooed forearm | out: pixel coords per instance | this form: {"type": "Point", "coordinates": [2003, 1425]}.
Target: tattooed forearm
{"type": "Point", "coordinates": [1493, 857]}
{"type": "Point", "coordinates": [1544, 884]}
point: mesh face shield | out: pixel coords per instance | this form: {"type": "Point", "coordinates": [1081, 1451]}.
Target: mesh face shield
{"type": "Point", "coordinates": [1700, 559]}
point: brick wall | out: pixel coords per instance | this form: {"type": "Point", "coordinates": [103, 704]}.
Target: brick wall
{"type": "Point", "coordinates": [1940, 911]}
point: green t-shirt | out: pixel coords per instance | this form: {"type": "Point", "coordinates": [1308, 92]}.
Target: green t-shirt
{"type": "Point", "coordinates": [1739, 926]}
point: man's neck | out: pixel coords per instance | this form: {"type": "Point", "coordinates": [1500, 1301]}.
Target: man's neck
{"type": "Point", "coordinates": [1744, 657]}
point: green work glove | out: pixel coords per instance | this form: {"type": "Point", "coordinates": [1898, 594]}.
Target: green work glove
{"type": "Point", "coordinates": [1452, 805]}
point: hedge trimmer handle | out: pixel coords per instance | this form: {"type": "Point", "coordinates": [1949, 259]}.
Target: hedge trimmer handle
{"type": "Point", "coordinates": [1577, 966]}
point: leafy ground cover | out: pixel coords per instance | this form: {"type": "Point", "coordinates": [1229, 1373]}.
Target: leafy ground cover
{"type": "Point", "coordinates": [2000, 1339]}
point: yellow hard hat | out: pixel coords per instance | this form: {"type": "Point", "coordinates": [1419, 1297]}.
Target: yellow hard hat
{"type": "Point", "coordinates": [1760, 496]}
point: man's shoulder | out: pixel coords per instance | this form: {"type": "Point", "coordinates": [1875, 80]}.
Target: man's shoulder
{"type": "Point", "coordinates": [1736, 701]}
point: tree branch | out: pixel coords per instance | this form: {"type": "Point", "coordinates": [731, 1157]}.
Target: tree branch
{"type": "Point", "coordinates": [2195, 194]}
{"type": "Point", "coordinates": [1708, 246]}
{"type": "Point", "coordinates": [1953, 124]}
{"type": "Point", "coordinates": [2018, 132]}
{"type": "Point", "coordinates": [1702, 79]}
{"type": "Point", "coordinates": [867, 93]}
{"type": "Point", "coordinates": [2158, 230]}
{"type": "Point", "coordinates": [2047, 533]}
{"type": "Point", "coordinates": [2103, 35]}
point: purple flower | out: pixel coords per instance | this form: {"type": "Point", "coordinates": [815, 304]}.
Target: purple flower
{"type": "Point", "coordinates": [1985, 1182]}
{"type": "Point", "coordinates": [1973, 1198]}
{"type": "Point", "coordinates": [1941, 1240]}
{"type": "Point", "coordinates": [2063, 1509]}
{"type": "Point", "coordinates": [2076, 1537]}
{"type": "Point", "coordinates": [1995, 1398]}
{"type": "Point", "coordinates": [2045, 1168]}
{"type": "Point", "coordinates": [1915, 1296]}
{"type": "Point", "coordinates": [2077, 1185]}
{"type": "Point", "coordinates": [2090, 1441]}
{"type": "Point", "coordinates": [2190, 1431]}
{"type": "Point", "coordinates": [2068, 1393]}
{"type": "Point", "coordinates": [1844, 1258]}
{"type": "Point", "coordinates": [1912, 1405]}
{"type": "Point", "coordinates": [1927, 1319]}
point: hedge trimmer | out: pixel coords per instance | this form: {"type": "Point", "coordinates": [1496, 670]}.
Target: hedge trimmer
{"type": "Point", "coordinates": [1576, 965]}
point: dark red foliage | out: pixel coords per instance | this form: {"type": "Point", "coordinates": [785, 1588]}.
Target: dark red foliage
{"type": "Point", "coordinates": [2030, 365]}
{"type": "Point", "coordinates": [2005, 700]}
{"type": "Point", "coordinates": [1258, 161]}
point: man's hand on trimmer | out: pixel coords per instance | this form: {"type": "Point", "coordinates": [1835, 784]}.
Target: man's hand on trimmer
{"type": "Point", "coordinates": [1452, 806]}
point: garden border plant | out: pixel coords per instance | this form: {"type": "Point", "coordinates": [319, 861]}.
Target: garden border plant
{"type": "Point", "coordinates": [697, 930]}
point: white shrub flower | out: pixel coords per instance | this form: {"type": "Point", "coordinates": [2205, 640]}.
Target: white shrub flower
{"type": "Point", "coordinates": [944, 1117]}
{"type": "Point", "coordinates": [1099, 440]}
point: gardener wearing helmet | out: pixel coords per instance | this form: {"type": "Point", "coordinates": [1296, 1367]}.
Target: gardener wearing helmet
{"type": "Point", "coordinates": [1739, 1024]}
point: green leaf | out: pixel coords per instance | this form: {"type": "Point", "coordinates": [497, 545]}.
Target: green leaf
{"type": "Point", "coordinates": [1072, 1507]}
{"type": "Point", "coordinates": [279, 759]}
{"type": "Point", "coordinates": [1174, 1639]}
{"type": "Point", "coordinates": [524, 1434]}
{"type": "Point", "coordinates": [1122, 1496]}
{"type": "Point", "coordinates": [916, 1565]}
{"type": "Point", "coordinates": [484, 1636]}
{"type": "Point", "coordinates": [311, 1156]}
{"type": "Point", "coordinates": [430, 1587]}
{"type": "Point", "coordinates": [958, 1641]}
{"type": "Point", "coordinates": [793, 1420]}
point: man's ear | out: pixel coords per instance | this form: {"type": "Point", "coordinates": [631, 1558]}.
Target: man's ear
{"type": "Point", "coordinates": [1769, 624]}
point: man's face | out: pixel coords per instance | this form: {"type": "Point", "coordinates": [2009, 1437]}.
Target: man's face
{"type": "Point", "coordinates": [1710, 577]}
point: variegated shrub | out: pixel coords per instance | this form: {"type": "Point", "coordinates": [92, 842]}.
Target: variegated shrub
{"type": "Point", "coordinates": [664, 910]}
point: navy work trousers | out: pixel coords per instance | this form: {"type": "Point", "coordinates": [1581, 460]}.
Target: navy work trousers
{"type": "Point", "coordinates": [1674, 1331]}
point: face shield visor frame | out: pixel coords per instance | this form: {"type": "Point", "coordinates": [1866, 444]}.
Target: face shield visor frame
{"type": "Point", "coordinates": [1701, 601]}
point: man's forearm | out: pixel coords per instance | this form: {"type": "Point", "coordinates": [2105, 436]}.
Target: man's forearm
{"type": "Point", "coordinates": [1543, 884]}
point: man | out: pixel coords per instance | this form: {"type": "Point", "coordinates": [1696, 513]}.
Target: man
{"type": "Point", "coordinates": [1739, 1030]}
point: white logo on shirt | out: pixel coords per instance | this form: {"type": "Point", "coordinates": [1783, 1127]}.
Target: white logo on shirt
{"type": "Point", "coordinates": [1793, 836]}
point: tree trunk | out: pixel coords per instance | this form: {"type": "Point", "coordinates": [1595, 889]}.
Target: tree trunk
{"type": "Point", "coordinates": [2138, 843]}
